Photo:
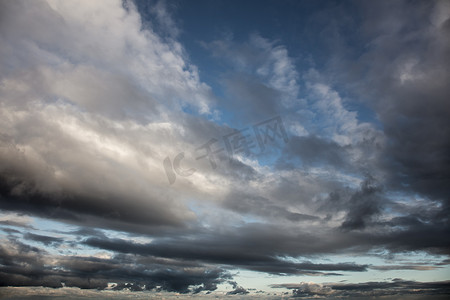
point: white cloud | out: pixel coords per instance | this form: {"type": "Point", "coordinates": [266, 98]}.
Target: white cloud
{"type": "Point", "coordinates": [102, 48]}
{"type": "Point", "coordinates": [90, 105]}
{"type": "Point", "coordinates": [327, 113]}
{"type": "Point", "coordinates": [279, 68]}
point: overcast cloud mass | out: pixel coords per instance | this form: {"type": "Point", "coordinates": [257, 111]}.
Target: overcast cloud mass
{"type": "Point", "coordinates": [230, 149]}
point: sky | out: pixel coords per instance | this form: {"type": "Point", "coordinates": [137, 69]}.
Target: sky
{"type": "Point", "coordinates": [212, 149]}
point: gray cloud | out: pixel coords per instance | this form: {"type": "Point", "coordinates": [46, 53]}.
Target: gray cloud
{"type": "Point", "coordinates": [403, 79]}
{"type": "Point", "coordinates": [247, 203]}
{"type": "Point", "coordinates": [396, 288]}
{"type": "Point", "coordinates": [404, 267]}
{"type": "Point", "coordinates": [237, 289]}
{"type": "Point", "coordinates": [87, 147]}
{"type": "Point", "coordinates": [90, 108]}
{"type": "Point", "coordinates": [46, 240]}
{"type": "Point", "coordinates": [23, 265]}
{"type": "Point", "coordinates": [312, 150]}
{"type": "Point", "coordinates": [213, 250]}
{"type": "Point", "coordinates": [364, 204]}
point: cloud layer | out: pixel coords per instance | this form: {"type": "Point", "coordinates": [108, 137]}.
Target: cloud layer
{"type": "Point", "coordinates": [97, 102]}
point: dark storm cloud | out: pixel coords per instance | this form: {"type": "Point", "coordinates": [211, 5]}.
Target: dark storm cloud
{"type": "Point", "coordinates": [364, 205]}
{"type": "Point", "coordinates": [25, 253]}
{"type": "Point", "coordinates": [268, 248]}
{"type": "Point", "coordinates": [22, 265]}
{"type": "Point", "coordinates": [404, 267]}
{"type": "Point", "coordinates": [427, 237]}
{"type": "Point", "coordinates": [81, 209]}
{"type": "Point", "coordinates": [237, 289]}
{"type": "Point", "coordinates": [31, 186]}
{"type": "Point", "coordinates": [400, 73]}
{"type": "Point", "coordinates": [403, 76]}
{"type": "Point", "coordinates": [21, 189]}
{"type": "Point", "coordinates": [444, 262]}
{"type": "Point", "coordinates": [397, 287]}
{"type": "Point", "coordinates": [46, 240]}
{"type": "Point", "coordinates": [215, 250]}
